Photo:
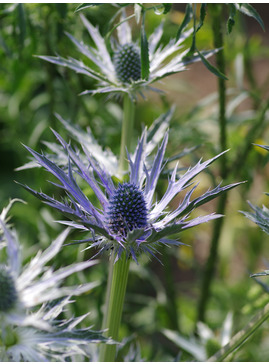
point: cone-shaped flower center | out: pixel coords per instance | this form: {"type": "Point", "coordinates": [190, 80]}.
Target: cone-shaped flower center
{"type": "Point", "coordinates": [126, 210]}
{"type": "Point", "coordinates": [127, 63]}
{"type": "Point", "coordinates": [8, 293]}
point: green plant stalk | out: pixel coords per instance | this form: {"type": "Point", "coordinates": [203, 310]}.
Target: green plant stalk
{"type": "Point", "coordinates": [126, 132]}
{"type": "Point", "coordinates": [171, 310]}
{"type": "Point", "coordinates": [239, 338]}
{"type": "Point", "coordinates": [211, 261]}
{"type": "Point", "coordinates": [117, 294]}
{"type": "Point", "coordinates": [108, 289]}
{"type": "Point", "coordinates": [109, 322]}
{"type": "Point", "coordinates": [254, 132]}
{"type": "Point", "coordinates": [216, 11]}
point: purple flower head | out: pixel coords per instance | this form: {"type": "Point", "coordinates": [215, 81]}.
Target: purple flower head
{"type": "Point", "coordinates": [127, 218]}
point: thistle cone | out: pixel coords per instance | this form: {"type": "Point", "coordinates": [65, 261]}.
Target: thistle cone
{"type": "Point", "coordinates": [8, 292]}
{"type": "Point", "coordinates": [127, 63]}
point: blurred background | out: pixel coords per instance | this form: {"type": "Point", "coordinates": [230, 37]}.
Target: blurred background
{"type": "Point", "coordinates": [158, 296]}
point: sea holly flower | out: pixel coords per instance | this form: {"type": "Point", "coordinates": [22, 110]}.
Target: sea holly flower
{"type": "Point", "coordinates": [30, 329]}
{"type": "Point", "coordinates": [35, 284]}
{"type": "Point", "coordinates": [50, 339]}
{"type": "Point", "coordinates": [119, 71]}
{"type": "Point", "coordinates": [127, 218]}
{"type": "Point", "coordinates": [260, 216]}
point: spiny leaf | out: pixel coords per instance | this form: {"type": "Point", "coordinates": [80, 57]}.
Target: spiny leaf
{"type": "Point", "coordinates": [85, 6]}
{"type": "Point", "coordinates": [210, 67]}
{"type": "Point", "coordinates": [248, 9]}
{"type": "Point", "coordinates": [187, 18]}
{"type": "Point", "coordinates": [262, 146]}
{"type": "Point", "coordinates": [264, 273]}
{"type": "Point", "coordinates": [202, 16]}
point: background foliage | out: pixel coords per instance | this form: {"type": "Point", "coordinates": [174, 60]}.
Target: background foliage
{"type": "Point", "coordinates": [158, 296]}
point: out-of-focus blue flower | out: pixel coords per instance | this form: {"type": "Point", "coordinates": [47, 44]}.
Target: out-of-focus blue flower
{"type": "Point", "coordinates": [31, 299]}
{"type": "Point", "coordinates": [260, 216]}
{"type": "Point", "coordinates": [119, 71]}
{"type": "Point", "coordinates": [128, 218]}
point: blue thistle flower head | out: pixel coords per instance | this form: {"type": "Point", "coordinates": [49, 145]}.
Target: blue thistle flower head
{"type": "Point", "coordinates": [127, 218]}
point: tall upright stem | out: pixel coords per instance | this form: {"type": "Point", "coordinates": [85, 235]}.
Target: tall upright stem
{"type": "Point", "coordinates": [114, 313]}
{"type": "Point", "coordinates": [118, 272]}
{"type": "Point", "coordinates": [216, 10]}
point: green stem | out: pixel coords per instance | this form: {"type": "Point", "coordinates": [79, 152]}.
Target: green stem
{"type": "Point", "coordinates": [217, 13]}
{"type": "Point", "coordinates": [211, 261]}
{"type": "Point", "coordinates": [254, 132]}
{"type": "Point", "coordinates": [117, 294]}
{"type": "Point", "coordinates": [108, 289]}
{"type": "Point", "coordinates": [241, 336]}
{"type": "Point", "coordinates": [111, 320]}
{"type": "Point", "coordinates": [220, 60]}
{"type": "Point", "coordinates": [126, 132]}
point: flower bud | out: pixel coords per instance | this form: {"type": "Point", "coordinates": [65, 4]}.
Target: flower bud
{"type": "Point", "coordinates": [127, 63]}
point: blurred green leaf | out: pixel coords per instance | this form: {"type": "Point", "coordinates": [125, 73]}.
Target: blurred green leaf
{"type": "Point", "coordinates": [249, 10]}
{"type": "Point", "coordinates": [7, 11]}
{"type": "Point", "coordinates": [167, 7]}
{"type": "Point", "coordinates": [202, 16]}
{"type": "Point", "coordinates": [231, 21]}
{"type": "Point", "coordinates": [211, 68]}
{"type": "Point", "coordinates": [144, 52]}
{"type": "Point", "coordinates": [5, 47]}
{"type": "Point", "coordinates": [191, 345]}
{"type": "Point", "coordinates": [21, 24]}
{"type": "Point", "coordinates": [187, 18]}
{"type": "Point", "coordinates": [86, 6]}
{"type": "Point", "coordinates": [61, 9]}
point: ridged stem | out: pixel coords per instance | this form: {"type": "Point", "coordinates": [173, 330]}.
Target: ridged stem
{"type": "Point", "coordinates": [238, 339]}
{"type": "Point", "coordinates": [111, 320]}
{"type": "Point", "coordinates": [216, 10]}
{"type": "Point", "coordinates": [114, 313]}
